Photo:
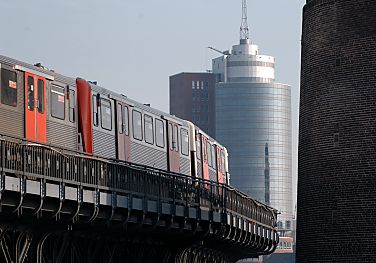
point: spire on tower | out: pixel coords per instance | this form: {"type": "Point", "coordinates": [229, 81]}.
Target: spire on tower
{"type": "Point", "coordinates": [244, 30]}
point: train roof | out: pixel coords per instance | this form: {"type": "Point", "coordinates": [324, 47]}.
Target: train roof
{"type": "Point", "coordinates": [124, 98]}
{"type": "Point", "coordinates": [52, 75]}
{"type": "Point", "coordinates": [47, 73]}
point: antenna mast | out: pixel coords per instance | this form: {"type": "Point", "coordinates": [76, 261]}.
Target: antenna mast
{"type": "Point", "coordinates": [244, 30]}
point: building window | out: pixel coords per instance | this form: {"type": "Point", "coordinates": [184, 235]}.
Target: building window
{"type": "Point", "coordinates": [106, 114]}
{"type": "Point", "coordinates": [137, 125]}
{"type": "Point", "coordinates": [57, 102]}
{"type": "Point", "coordinates": [336, 139]}
{"type": "Point", "coordinates": [159, 133]}
{"type": "Point", "coordinates": [9, 87]}
{"type": "Point", "coordinates": [148, 129]}
{"type": "Point", "coordinates": [72, 106]}
{"type": "Point", "coordinates": [193, 84]}
{"type": "Point", "coordinates": [184, 142]}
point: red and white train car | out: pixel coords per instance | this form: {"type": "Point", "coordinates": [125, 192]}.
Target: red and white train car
{"type": "Point", "coordinates": [46, 107]}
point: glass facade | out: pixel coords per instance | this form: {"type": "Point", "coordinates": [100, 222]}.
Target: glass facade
{"type": "Point", "coordinates": [253, 121]}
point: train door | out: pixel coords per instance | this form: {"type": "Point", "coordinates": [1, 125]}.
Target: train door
{"type": "Point", "coordinates": [124, 141]}
{"type": "Point", "coordinates": [220, 165]}
{"type": "Point", "coordinates": [205, 151]}
{"type": "Point", "coordinates": [173, 147]}
{"type": "Point", "coordinates": [35, 108]}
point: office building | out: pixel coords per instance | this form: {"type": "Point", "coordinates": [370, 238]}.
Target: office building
{"type": "Point", "coordinates": [337, 134]}
{"type": "Point", "coordinates": [253, 121]}
{"type": "Point", "coordinates": [192, 98]}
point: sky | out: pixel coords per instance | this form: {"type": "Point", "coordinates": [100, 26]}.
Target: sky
{"type": "Point", "coordinates": [133, 46]}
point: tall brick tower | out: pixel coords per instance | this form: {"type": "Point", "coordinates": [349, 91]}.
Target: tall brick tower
{"type": "Point", "coordinates": [337, 140]}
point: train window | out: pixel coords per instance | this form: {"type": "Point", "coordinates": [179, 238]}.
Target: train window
{"type": "Point", "coordinates": [223, 162]}
{"type": "Point", "coordinates": [208, 149]}
{"type": "Point", "coordinates": [106, 114]}
{"type": "Point", "coordinates": [204, 151]}
{"type": "Point", "coordinates": [120, 118]}
{"type": "Point", "coordinates": [125, 120]}
{"type": "Point", "coordinates": [159, 133]}
{"type": "Point", "coordinates": [214, 160]}
{"type": "Point", "coordinates": [198, 150]}
{"type": "Point", "coordinates": [184, 142]}
{"type": "Point", "coordinates": [170, 136]}
{"type": "Point", "coordinates": [175, 139]}
{"type": "Point", "coordinates": [95, 110]}
{"type": "Point", "coordinates": [57, 102]}
{"type": "Point", "coordinates": [40, 95]}
{"type": "Point", "coordinates": [137, 125]}
{"type": "Point", "coordinates": [30, 93]}
{"type": "Point", "coordinates": [72, 106]}
{"type": "Point", "coordinates": [9, 87]}
{"type": "Point", "coordinates": [148, 129]}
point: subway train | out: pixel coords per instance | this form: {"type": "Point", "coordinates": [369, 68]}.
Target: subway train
{"type": "Point", "coordinates": [42, 106]}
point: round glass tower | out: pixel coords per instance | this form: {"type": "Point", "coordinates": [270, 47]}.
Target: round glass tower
{"type": "Point", "coordinates": [253, 120]}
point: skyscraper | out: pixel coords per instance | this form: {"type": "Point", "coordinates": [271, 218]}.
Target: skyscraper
{"type": "Point", "coordinates": [192, 98]}
{"type": "Point", "coordinates": [337, 137]}
{"type": "Point", "coordinates": [253, 121]}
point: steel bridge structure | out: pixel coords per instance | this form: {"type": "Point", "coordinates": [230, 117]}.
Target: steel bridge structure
{"type": "Point", "coordinates": [62, 206]}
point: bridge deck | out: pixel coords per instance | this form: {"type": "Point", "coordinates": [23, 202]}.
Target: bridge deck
{"type": "Point", "coordinates": [48, 191]}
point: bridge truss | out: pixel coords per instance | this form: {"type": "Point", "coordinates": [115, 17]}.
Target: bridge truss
{"type": "Point", "coordinates": [61, 206]}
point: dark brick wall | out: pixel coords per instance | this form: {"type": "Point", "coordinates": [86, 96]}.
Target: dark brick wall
{"type": "Point", "coordinates": [337, 137]}
{"type": "Point", "coordinates": [181, 101]}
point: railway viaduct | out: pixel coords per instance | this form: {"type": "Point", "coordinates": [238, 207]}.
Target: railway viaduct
{"type": "Point", "coordinates": [61, 206]}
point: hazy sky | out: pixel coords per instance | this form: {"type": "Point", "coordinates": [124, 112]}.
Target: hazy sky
{"type": "Point", "coordinates": [133, 46]}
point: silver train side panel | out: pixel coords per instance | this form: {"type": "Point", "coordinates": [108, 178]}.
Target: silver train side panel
{"type": "Point", "coordinates": [212, 175]}
{"type": "Point", "coordinates": [149, 156]}
{"type": "Point", "coordinates": [12, 118]}
{"type": "Point", "coordinates": [199, 169]}
{"type": "Point", "coordinates": [62, 135]}
{"type": "Point", "coordinates": [104, 141]}
{"type": "Point", "coordinates": [185, 166]}
{"type": "Point", "coordinates": [104, 144]}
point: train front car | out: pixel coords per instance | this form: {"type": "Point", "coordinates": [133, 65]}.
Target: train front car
{"type": "Point", "coordinates": [209, 159]}
{"type": "Point", "coordinates": [37, 104]}
{"type": "Point", "coordinates": [42, 106]}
